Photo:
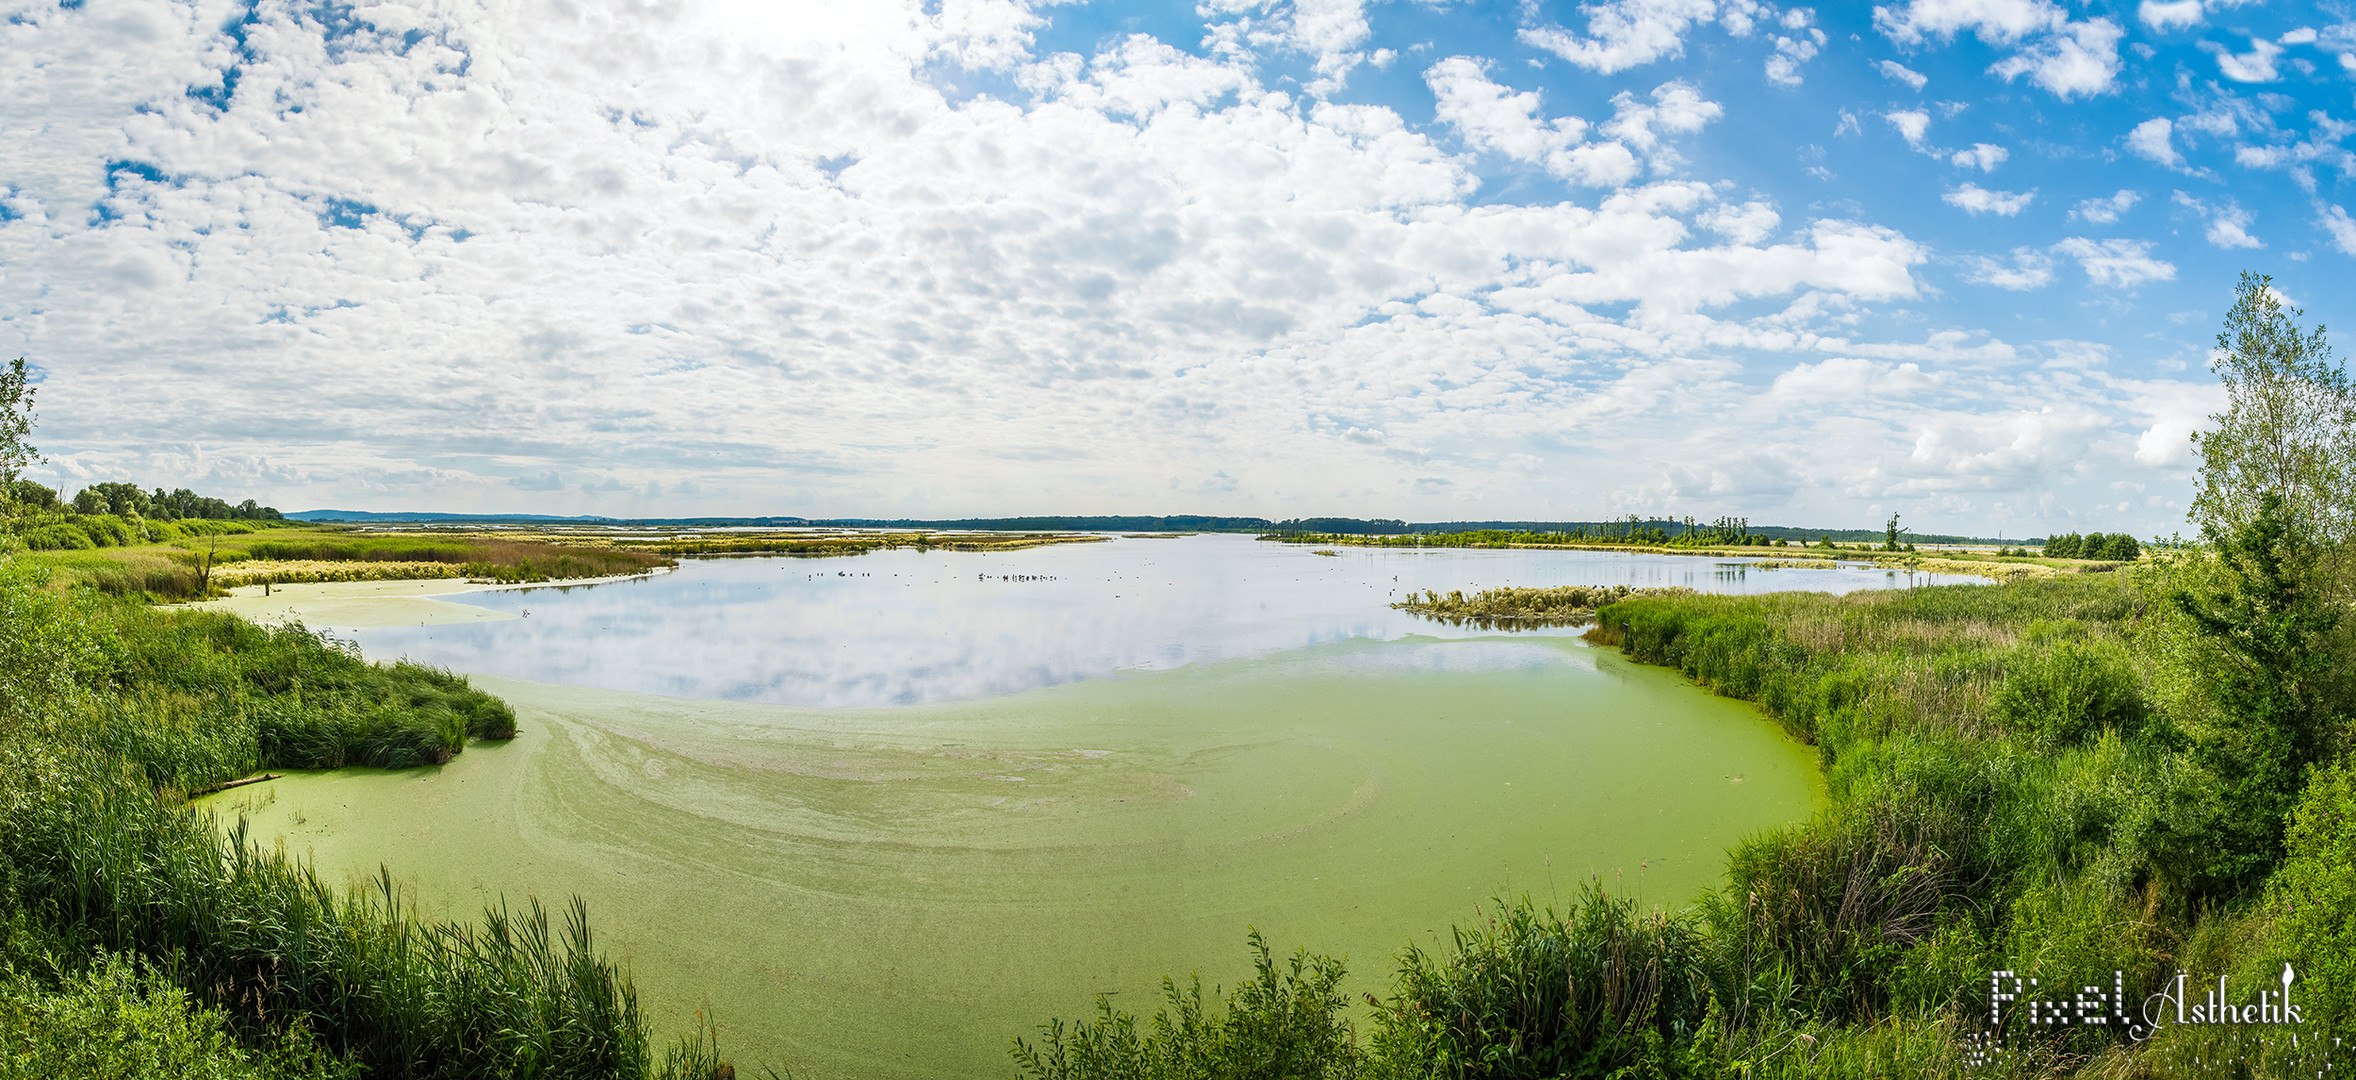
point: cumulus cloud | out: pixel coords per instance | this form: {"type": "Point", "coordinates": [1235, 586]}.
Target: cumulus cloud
{"type": "Point", "coordinates": [1622, 34]}
{"type": "Point", "coordinates": [1897, 72]}
{"type": "Point", "coordinates": [2340, 227]}
{"type": "Point", "coordinates": [1498, 119]}
{"type": "Point", "coordinates": [2069, 58]}
{"type": "Point", "coordinates": [2106, 211]}
{"type": "Point", "coordinates": [1794, 49]}
{"type": "Point", "coordinates": [1974, 199]}
{"type": "Point", "coordinates": [1982, 156]}
{"type": "Point", "coordinates": [793, 257]}
{"type": "Point", "coordinates": [1912, 125]}
{"type": "Point", "coordinates": [1676, 107]}
{"type": "Point", "coordinates": [2028, 269]}
{"type": "Point", "coordinates": [2123, 263]}
{"type": "Point", "coordinates": [2254, 66]}
{"type": "Point", "coordinates": [2228, 223]}
{"type": "Point", "coordinates": [2166, 15]}
{"type": "Point", "coordinates": [1748, 223]}
{"type": "Point", "coordinates": [2152, 141]}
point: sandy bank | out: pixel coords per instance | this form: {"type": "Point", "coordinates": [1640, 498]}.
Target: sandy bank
{"type": "Point", "coordinates": [373, 603]}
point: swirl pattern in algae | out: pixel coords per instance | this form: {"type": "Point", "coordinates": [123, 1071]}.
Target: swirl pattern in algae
{"type": "Point", "coordinates": [895, 892]}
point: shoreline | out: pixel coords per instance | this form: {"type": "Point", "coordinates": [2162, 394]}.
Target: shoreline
{"type": "Point", "coordinates": [397, 602]}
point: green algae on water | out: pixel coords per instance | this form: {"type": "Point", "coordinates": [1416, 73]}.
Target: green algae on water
{"type": "Point", "coordinates": [896, 892]}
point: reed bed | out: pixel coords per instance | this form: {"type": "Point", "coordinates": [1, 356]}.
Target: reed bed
{"type": "Point", "coordinates": [1559, 605]}
{"type": "Point", "coordinates": [226, 558]}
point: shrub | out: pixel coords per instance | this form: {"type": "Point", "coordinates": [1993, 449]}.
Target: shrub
{"type": "Point", "coordinates": [58, 537]}
{"type": "Point", "coordinates": [2070, 693]}
{"type": "Point", "coordinates": [2312, 895]}
{"type": "Point", "coordinates": [120, 1018]}
{"type": "Point", "coordinates": [1282, 1025]}
{"type": "Point", "coordinates": [1531, 993]}
{"type": "Point", "coordinates": [107, 530]}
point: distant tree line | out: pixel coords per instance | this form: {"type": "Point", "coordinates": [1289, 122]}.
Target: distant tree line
{"type": "Point", "coordinates": [131, 502]}
{"type": "Point", "coordinates": [2118, 547]}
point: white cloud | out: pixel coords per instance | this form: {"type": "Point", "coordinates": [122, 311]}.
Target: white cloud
{"type": "Point", "coordinates": [1975, 199]}
{"type": "Point", "coordinates": [2166, 15]}
{"type": "Point", "coordinates": [1982, 156]}
{"type": "Point", "coordinates": [775, 259]}
{"type": "Point", "coordinates": [2151, 140]}
{"type": "Point", "coordinates": [1748, 223]}
{"type": "Point", "coordinates": [2340, 227]}
{"type": "Point", "coordinates": [1912, 125]}
{"type": "Point", "coordinates": [2173, 411]}
{"type": "Point", "coordinates": [2228, 224]}
{"type": "Point", "coordinates": [2106, 211]}
{"type": "Point", "coordinates": [1622, 34]}
{"type": "Point", "coordinates": [2069, 58]}
{"type": "Point", "coordinates": [1497, 118]}
{"type": "Point", "coordinates": [1783, 68]}
{"type": "Point", "coordinates": [1844, 378]}
{"type": "Point", "coordinates": [1489, 116]}
{"type": "Point", "coordinates": [1676, 107]}
{"type": "Point", "coordinates": [1897, 72]}
{"type": "Point", "coordinates": [2304, 35]}
{"type": "Point", "coordinates": [2254, 66]}
{"type": "Point", "coordinates": [2029, 269]}
{"type": "Point", "coordinates": [2124, 263]}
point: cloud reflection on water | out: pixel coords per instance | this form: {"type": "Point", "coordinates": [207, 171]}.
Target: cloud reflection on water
{"type": "Point", "coordinates": [907, 627]}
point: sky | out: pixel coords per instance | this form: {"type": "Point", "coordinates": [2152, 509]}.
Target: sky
{"type": "Point", "coordinates": [1960, 260]}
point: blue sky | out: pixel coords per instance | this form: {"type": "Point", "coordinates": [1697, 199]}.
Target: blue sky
{"type": "Point", "coordinates": [1958, 259]}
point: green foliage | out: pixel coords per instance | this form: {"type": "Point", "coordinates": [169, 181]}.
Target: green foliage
{"type": "Point", "coordinates": [2313, 898]}
{"type": "Point", "coordinates": [2070, 692]}
{"type": "Point", "coordinates": [1285, 1024]}
{"type": "Point", "coordinates": [2290, 428]}
{"type": "Point", "coordinates": [121, 1018]}
{"type": "Point", "coordinates": [2112, 547]}
{"type": "Point", "coordinates": [1529, 993]}
{"type": "Point", "coordinates": [108, 712]}
{"type": "Point", "coordinates": [1511, 605]}
{"type": "Point", "coordinates": [2272, 624]}
{"type": "Point", "coordinates": [17, 452]}
{"type": "Point", "coordinates": [1839, 901]}
{"type": "Point", "coordinates": [132, 501]}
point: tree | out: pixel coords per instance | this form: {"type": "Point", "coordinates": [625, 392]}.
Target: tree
{"type": "Point", "coordinates": [2274, 626]}
{"type": "Point", "coordinates": [17, 453]}
{"type": "Point", "coordinates": [1891, 530]}
{"type": "Point", "coordinates": [2291, 426]}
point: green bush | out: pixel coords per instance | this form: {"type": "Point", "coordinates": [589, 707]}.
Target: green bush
{"type": "Point", "coordinates": [119, 1018]}
{"type": "Point", "coordinates": [1283, 1025]}
{"type": "Point", "coordinates": [57, 537]}
{"type": "Point", "coordinates": [2313, 898]}
{"type": "Point", "coordinates": [2070, 693]}
{"type": "Point", "coordinates": [107, 530]}
{"type": "Point", "coordinates": [1530, 993]}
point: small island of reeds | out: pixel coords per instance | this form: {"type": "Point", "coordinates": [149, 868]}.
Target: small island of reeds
{"type": "Point", "coordinates": [1556, 606]}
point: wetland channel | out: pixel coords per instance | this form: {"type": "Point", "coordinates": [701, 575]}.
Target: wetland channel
{"type": "Point", "coordinates": [881, 813]}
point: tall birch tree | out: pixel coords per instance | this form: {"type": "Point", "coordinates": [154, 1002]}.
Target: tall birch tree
{"type": "Point", "coordinates": [2290, 428]}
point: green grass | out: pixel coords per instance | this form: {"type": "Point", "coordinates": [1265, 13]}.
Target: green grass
{"type": "Point", "coordinates": [176, 564]}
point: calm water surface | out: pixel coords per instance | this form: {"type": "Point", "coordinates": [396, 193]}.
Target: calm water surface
{"type": "Point", "coordinates": [882, 813]}
{"type": "Point", "coordinates": [907, 627]}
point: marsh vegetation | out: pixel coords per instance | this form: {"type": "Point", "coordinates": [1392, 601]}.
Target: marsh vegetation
{"type": "Point", "coordinates": [2142, 772]}
{"type": "Point", "coordinates": [125, 916]}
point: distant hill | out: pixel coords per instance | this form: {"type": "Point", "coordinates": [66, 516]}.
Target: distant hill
{"type": "Point", "coordinates": [1115, 523]}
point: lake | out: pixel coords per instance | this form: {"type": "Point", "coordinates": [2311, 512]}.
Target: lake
{"type": "Point", "coordinates": [905, 627]}
{"type": "Point", "coordinates": [881, 814]}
